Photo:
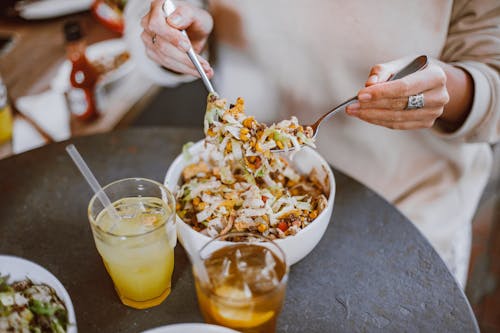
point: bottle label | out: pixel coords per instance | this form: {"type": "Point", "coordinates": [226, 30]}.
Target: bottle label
{"type": "Point", "coordinates": [77, 101]}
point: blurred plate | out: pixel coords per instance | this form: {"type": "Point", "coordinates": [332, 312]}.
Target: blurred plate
{"type": "Point", "coordinates": [107, 49]}
{"type": "Point", "coordinates": [20, 269]}
{"type": "Point", "coordinates": [191, 328]}
{"type": "Point", "coordinates": [45, 9]}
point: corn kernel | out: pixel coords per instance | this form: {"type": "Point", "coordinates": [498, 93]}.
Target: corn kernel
{"type": "Point", "coordinates": [211, 132]}
{"type": "Point", "coordinates": [196, 201]}
{"type": "Point", "coordinates": [258, 147]}
{"type": "Point", "coordinates": [280, 145]}
{"type": "Point", "coordinates": [248, 122]}
{"type": "Point", "coordinates": [244, 137]}
{"type": "Point", "coordinates": [262, 228]}
{"type": "Point", "coordinates": [313, 214]}
{"type": "Point", "coordinates": [201, 206]}
{"type": "Point", "coordinates": [265, 218]}
{"type": "Point", "coordinates": [244, 131]}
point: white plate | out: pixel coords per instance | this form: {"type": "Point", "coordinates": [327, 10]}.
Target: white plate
{"type": "Point", "coordinates": [191, 328]}
{"type": "Point", "coordinates": [20, 269]}
{"type": "Point", "coordinates": [104, 49]}
{"type": "Point", "coordinates": [41, 10]}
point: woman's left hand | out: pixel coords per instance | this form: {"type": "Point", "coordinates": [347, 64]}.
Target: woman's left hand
{"type": "Point", "coordinates": [384, 103]}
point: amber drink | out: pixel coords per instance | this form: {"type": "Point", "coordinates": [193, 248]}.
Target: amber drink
{"type": "Point", "coordinates": [244, 284]}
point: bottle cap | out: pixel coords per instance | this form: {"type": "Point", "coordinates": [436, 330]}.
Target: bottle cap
{"type": "Point", "coordinates": [72, 31]}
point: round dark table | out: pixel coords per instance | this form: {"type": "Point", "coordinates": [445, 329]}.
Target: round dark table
{"type": "Point", "coordinates": [371, 272]}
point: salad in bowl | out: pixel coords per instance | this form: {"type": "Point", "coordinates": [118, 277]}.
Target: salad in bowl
{"type": "Point", "coordinates": [232, 182]}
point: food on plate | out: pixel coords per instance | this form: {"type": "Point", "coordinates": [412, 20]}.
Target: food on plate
{"type": "Point", "coordinates": [238, 184]}
{"type": "Point", "coordinates": [29, 307]}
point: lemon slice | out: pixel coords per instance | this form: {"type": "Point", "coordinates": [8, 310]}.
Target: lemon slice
{"type": "Point", "coordinates": [238, 317]}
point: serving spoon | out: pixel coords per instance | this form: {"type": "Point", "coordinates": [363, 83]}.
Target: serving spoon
{"type": "Point", "coordinates": [414, 66]}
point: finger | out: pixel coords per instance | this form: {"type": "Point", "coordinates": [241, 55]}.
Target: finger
{"type": "Point", "coordinates": [437, 97]}
{"type": "Point", "coordinates": [191, 18]}
{"type": "Point", "coordinates": [383, 72]}
{"type": "Point", "coordinates": [155, 23]}
{"type": "Point", "coordinates": [174, 59]}
{"type": "Point", "coordinates": [172, 64]}
{"type": "Point", "coordinates": [425, 114]}
{"type": "Point", "coordinates": [427, 79]}
{"type": "Point", "coordinates": [413, 125]}
{"type": "Point", "coordinates": [168, 50]}
{"type": "Point", "coordinates": [379, 73]}
{"type": "Point", "coordinates": [167, 55]}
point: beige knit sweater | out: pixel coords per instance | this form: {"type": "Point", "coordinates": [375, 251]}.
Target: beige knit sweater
{"type": "Point", "coordinates": [296, 57]}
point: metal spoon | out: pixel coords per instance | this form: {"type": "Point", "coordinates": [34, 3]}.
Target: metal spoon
{"type": "Point", "coordinates": [168, 9]}
{"type": "Point", "coordinates": [414, 66]}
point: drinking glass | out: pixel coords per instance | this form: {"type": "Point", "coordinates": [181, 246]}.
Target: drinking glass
{"type": "Point", "coordinates": [240, 282]}
{"type": "Point", "coordinates": [138, 247]}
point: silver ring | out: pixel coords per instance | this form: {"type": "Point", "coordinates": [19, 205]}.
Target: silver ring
{"type": "Point", "coordinates": [415, 102]}
{"type": "Point", "coordinates": [153, 39]}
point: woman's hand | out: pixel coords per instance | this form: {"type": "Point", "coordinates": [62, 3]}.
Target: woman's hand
{"type": "Point", "coordinates": [167, 46]}
{"type": "Point", "coordinates": [384, 103]}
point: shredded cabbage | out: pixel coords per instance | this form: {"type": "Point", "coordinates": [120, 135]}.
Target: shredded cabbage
{"type": "Point", "coordinates": [240, 185]}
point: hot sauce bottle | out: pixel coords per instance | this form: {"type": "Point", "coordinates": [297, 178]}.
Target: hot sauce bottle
{"type": "Point", "coordinates": [81, 96]}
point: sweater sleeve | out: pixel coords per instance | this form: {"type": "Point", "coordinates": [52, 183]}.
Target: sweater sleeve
{"type": "Point", "coordinates": [134, 11]}
{"type": "Point", "coordinates": [473, 44]}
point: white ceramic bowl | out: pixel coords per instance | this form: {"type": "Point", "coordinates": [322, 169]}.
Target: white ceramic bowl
{"type": "Point", "coordinates": [20, 269]}
{"type": "Point", "coordinates": [295, 247]}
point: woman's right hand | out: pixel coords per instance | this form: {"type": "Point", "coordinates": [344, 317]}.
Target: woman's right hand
{"type": "Point", "coordinates": [167, 46]}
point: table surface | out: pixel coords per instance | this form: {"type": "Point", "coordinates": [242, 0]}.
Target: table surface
{"type": "Point", "coordinates": [372, 271]}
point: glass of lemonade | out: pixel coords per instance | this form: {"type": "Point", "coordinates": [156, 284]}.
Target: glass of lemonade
{"type": "Point", "coordinates": [138, 248]}
{"type": "Point", "coordinates": [240, 282]}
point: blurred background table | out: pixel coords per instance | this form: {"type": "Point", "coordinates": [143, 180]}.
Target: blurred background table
{"type": "Point", "coordinates": [372, 271]}
{"type": "Point", "coordinates": [35, 55]}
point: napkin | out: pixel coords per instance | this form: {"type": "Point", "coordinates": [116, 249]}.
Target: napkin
{"type": "Point", "coordinates": [49, 111]}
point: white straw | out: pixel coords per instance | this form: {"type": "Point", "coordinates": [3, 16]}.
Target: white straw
{"type": "Point", "coordinates": [94, 184]}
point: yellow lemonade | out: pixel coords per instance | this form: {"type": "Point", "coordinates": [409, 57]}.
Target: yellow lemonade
{"type": "Point", "coordinates": [136, 251]}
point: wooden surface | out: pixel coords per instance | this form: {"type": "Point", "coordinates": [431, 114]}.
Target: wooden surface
{"type": "Point", "coordinates": [38, 50]}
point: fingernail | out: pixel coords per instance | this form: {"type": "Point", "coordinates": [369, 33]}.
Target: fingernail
{"type": "Point", "coordinates": [353, 109]}
{"type": "Point", "coordinates": [175, 19]}
{"type": "Point", "coordinates": [184, 45]}
{"type": "Point", "coordinates": [373, 78]}
{"type": "Point", "coordinates": [354, 106]}
{"type": "Point", "coordinates": [364, 97]}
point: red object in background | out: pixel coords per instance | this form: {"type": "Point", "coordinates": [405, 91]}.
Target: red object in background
{"type": "Point", "coordinates": [81, 96]}
{"type": "Point", "coordinates": [110, 14]}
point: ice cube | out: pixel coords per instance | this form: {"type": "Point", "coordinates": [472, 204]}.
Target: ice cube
{"type": "Point", "coordinates": [127, 211]}
{"type": "Point", "coordinates": [270, 261]}
{"type": "Point", "coordinates": [226, 268]}
{"type": "Point", "coordinates": [235, 292]}
{"type": "Point", "coordinates": [241, 263]}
